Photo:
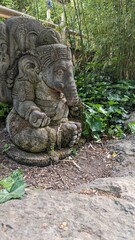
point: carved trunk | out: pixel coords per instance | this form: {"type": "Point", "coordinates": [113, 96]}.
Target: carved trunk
{"type": "Point", "coordinates": [38, 72]}
{"type": "Point", "coordinates": [70, 93]}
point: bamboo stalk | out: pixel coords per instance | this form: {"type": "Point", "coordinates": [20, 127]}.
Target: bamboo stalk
{"type": "Point", "coordinates": [7, 13]}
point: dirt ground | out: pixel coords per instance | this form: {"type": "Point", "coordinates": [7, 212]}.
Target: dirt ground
{"type": "Point", "coordinates": [91, 161]}
{"type": "Point", "coordinates": [74, 207]}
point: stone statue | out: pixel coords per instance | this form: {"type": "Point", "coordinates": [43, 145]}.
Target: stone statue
{"type": "Point", "coordinates": [36, 74]}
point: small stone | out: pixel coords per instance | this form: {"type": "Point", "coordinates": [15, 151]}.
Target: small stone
{"type": "Point", "coordinates": [64, 226]}
{"type": "Point", "coordinates": [44, 225]}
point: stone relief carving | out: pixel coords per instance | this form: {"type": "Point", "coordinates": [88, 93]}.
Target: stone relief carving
{"type": "Point", "coordinates": [37, 71]}
{"type": "Point", "coordinates": [5, 93]}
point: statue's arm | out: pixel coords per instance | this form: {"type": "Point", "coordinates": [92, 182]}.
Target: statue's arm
{"type": "Point", "coordinates": [23, 102]}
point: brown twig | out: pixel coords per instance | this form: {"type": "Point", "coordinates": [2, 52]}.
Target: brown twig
{"type": "Point", "coordinates": [76, 165]}
{"type": "Point", "coordinates": [73, 162]}
{"type": "Point", "coordinates": [90, 145]}
{"type": "Point", "coordinates": [62, 180]}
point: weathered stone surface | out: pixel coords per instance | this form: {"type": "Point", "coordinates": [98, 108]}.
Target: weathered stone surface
{"type": "Point", "coordinates": [84, 215]}
{"type": "Point", "coordinates": [37, 159]}
{"type": "Point", "coordinates": [124, 150]}
{"type": "Point", "coordinates": [113, 187]}
{"type": "Point", "coordinates": [101, 210]}
{"type": "Point", "coordinates": [126, 145]}
{"type": "Point", "coordinates": [37, 71]}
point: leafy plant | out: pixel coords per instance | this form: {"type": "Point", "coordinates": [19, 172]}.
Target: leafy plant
{"type": "Point", "coordinates": [6, 147]}
{"type": "Point", "coordinates": [132, 127]}
{"type": "Point", "coordinates": [4, 110]}
{"type": "Point", "coordinates": [106, 104]}
{"type": "Point", "coordinates": [106, 36]}
{"type": "Point", "coordinates": [12, 187]}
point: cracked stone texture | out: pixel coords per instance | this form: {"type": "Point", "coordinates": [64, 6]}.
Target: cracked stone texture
{"type": "Point", "coordinates": [125, 156]}
{"type": "Point", "coordinates": [101, 210]}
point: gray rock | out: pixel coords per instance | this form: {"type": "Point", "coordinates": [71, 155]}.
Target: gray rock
{"type": "Point", "coordinates": [93, 212]}
{"type": "Point", "coordinates": [125, 156]}
{"type": "Point", "coordinates": [117, 187]}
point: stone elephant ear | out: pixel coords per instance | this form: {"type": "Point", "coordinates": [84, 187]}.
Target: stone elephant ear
{"type": "Point", "coordinates": [29, 68]}
{"type": "Point", "coordinates": [48, 36]}
{"type": "Point", "coordinates": [22, 33]}
{"type": "Point", "coordinates": [31, 40]}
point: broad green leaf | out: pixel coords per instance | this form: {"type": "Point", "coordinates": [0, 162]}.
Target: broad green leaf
{"type": "Point", "coordinates": [102, 110]}
{"type": "Point", "coordinates": [86, 132]}
{"type": "Point", "coordinates": [111, 103]}
{"type": "Point", "coordinates": [96, 136]}
{"type": "Point", "coordinates": [13, 186]}
{"type": "Point", "coordinates": [114, 97]}
{"type": "Point", "coordinates": [97, 125]}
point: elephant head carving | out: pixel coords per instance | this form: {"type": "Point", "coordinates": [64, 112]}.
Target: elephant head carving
{"type": "Point", "coordinates": [57, 70]}
{"type": "Point", "coordinates": [39, 73]}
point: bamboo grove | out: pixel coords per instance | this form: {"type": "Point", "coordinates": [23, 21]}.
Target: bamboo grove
{"type": "Point", "coordinates": [106, 28]}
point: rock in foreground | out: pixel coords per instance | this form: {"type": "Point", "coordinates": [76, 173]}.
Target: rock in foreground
{"type": "Point", "coordinates": [101, 210]}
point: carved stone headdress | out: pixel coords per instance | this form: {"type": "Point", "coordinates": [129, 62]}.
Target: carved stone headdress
{"type": "Point", "coordinates": [51, 53]}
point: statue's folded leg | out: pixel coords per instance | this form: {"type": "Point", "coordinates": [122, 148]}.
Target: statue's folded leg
{"type": "Point", "coordinates": [70, 133]}
{"type": "Point", "coordinates": [46, 139]}
{"type": "Point", "coordinates": [29, 138]}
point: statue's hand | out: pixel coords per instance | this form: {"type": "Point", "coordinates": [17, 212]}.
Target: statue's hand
{"type": "Point", "coordinates": [76, 111]}
{"type": "Point", "coordinates": [39, 119]}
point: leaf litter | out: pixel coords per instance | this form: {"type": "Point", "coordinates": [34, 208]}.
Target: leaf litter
{"type": "Point", "coordinates": [89, 162]}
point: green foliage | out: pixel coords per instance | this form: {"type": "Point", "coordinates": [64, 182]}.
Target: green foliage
{"type": "Point", "coordinates": [6, 148]}
{"type": "Point", "coordinates": [105, 27]}
{"type": "Point", "coordinates": [108, 29]}
{"type": "Point", "coordinates": [106, 104]}
{"type": "Point", "coordinates": [12, 187]}
{"type": "Point", "coordinates": [132, 127]}
{"type": "Point", "coordinates": [106, 37]}
{"type": "Point", "coordinates": [4, 110]}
